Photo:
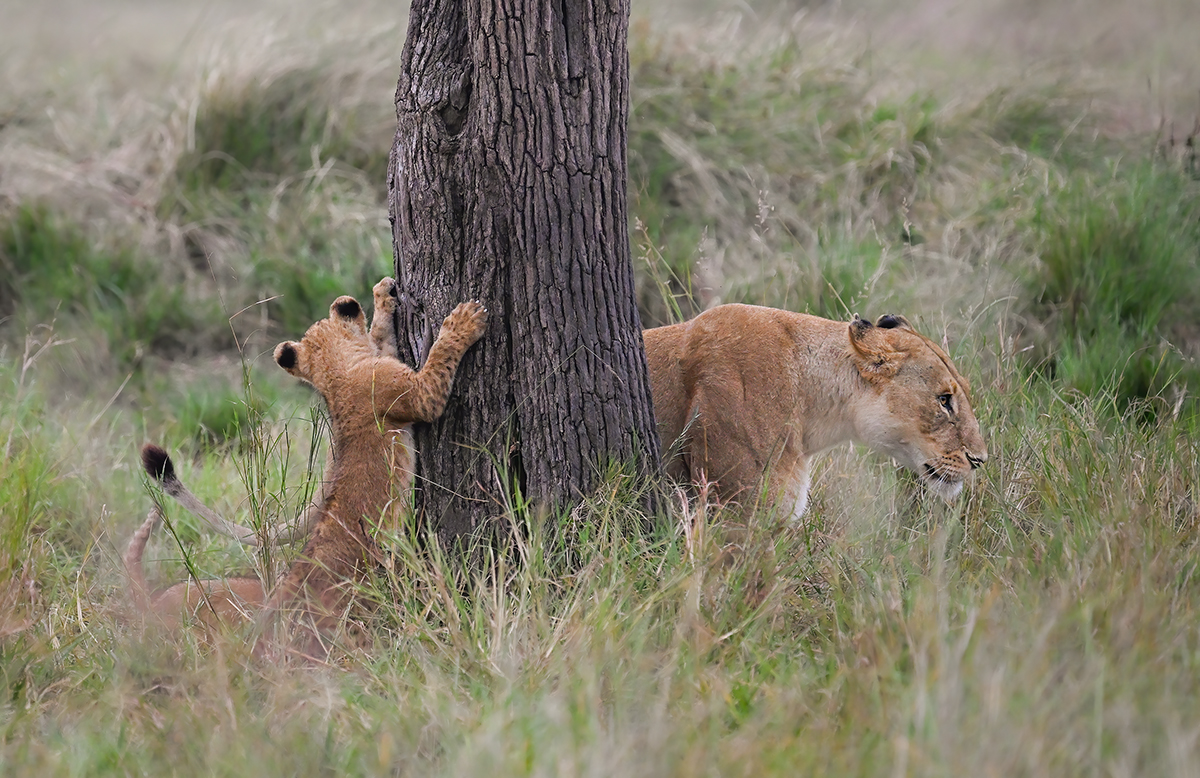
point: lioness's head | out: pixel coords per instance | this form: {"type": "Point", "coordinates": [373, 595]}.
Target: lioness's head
{"type": "Point", "coordinates": [918, 410]}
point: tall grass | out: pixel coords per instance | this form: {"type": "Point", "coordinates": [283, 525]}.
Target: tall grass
{"type": "Point", "coordinates": [1012, 634]}
{"type": "Point", "coordinates": [222, 214]}
{"type": "Point", "coordinates": [767, 152]}
{"type": "Point", "coordinates": [53, 269]}
{"type": "Point", "coordinates": [276, 124]}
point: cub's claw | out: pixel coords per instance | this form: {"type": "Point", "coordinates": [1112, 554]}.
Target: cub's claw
{"type": "Point", "coordinates": [468, 319]}
{"type": "Point", "coordinates": [386, 294]}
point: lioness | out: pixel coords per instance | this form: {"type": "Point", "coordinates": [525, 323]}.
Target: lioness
{"type": "Point", "coordinates": [373, 399]}
{"type": "Point", "coordinates": [743, 390]}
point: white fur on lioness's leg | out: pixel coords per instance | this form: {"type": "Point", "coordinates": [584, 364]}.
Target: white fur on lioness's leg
{"type": "Point", "coordinates": [797, 494]}
{"type": "Point", "coordinates": [790, 485]}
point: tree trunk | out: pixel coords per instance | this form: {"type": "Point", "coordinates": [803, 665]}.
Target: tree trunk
{"type": "Point", "coordinates": [507, 184]}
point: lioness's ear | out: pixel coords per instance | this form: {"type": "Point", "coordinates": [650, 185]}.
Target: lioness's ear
{"type": "Point", "coordinates": [287, 356]}
{"type": "Point", "coordinates": [859, 327]}
{"type": "Point", "coordinates": [873, 355]}
{"type": "Point", "coordinates": [892, 321]}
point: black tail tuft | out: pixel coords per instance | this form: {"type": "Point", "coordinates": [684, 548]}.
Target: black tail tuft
{"type": "Point", "coordinates": [157, 463]}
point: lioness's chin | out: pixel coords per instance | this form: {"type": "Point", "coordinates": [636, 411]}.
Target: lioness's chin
{"type": "Point", "coordinates": [947, 490]}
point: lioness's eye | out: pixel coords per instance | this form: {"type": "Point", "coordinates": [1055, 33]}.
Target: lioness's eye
{"type": "Point", "coordinates": [946, 401]}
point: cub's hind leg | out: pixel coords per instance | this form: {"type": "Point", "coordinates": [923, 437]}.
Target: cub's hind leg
{"type": "Point", "coordinates": [217, 604]}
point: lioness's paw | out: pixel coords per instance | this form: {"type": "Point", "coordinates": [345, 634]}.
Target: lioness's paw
{"type": "Point", "coordinates": [467, 320]}
{"type": "Point", "coordinates": [385, 293]}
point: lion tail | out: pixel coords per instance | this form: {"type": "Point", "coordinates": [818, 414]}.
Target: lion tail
{"type": "Point", "coordinates": [139, 592]}
{"type": "Point", "coordinates": [158, 465]}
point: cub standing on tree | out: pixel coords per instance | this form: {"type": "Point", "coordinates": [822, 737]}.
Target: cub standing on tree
{"type": "Point", "coordinates": [373, 399]}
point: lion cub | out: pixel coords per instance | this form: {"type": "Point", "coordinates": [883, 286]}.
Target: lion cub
{"type": "Point", "coordinates": [373, 399]}
{"type": "Point", "coordinates": [743, 390]}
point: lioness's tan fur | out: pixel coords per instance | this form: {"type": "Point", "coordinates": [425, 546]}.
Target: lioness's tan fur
{"type": "Point", "coordinates": [373, 399]}
{"type": "Point", "coordinates": [743, 390]}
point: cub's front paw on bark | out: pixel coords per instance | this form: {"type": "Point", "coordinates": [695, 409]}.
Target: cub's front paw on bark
{"type": "Point", "coordinates": [385, 295]}
{"type": "Point", "coordinates": [467, 320]}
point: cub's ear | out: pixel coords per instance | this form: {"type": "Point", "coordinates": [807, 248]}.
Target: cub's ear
{"type": "Point", "coordinates": [873, 355]}
{"type": "Point", "coordinates": [287, 356]}
{"type": "Point", "coordinates": [346, 308]}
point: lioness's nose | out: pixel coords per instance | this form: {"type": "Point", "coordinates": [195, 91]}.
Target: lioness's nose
{"type": "Point", "coordinates": [976, 460]}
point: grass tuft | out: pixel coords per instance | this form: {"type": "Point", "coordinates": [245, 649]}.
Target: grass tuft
{"type": "Point", "coordinates": [282, 124]}
{"type": "Point", "coordinates": [1118, 281]}
{"type": "Point", "coordinates": [52, 268]}
{"type": "Point", "coordinates": [765, 154]}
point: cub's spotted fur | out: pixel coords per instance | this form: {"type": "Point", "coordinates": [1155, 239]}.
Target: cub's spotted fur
{"type": "Point", "coordinates": [373, 399]}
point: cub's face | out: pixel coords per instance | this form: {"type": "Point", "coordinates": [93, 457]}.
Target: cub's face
{"type": "Point", "coordinates": [328, 344]}
{"type": "Point", "coordinates": [917, 410]}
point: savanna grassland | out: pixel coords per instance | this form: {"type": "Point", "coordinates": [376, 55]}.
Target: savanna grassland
{"type": "Point", "coordinates": [182, 186]}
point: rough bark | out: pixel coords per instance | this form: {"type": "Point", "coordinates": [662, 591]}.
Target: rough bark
{"type": "Point", "coordinates": [507, 183]}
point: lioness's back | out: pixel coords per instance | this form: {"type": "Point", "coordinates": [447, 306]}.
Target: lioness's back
{"type": "Point", "coordinates": [720, 354]}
